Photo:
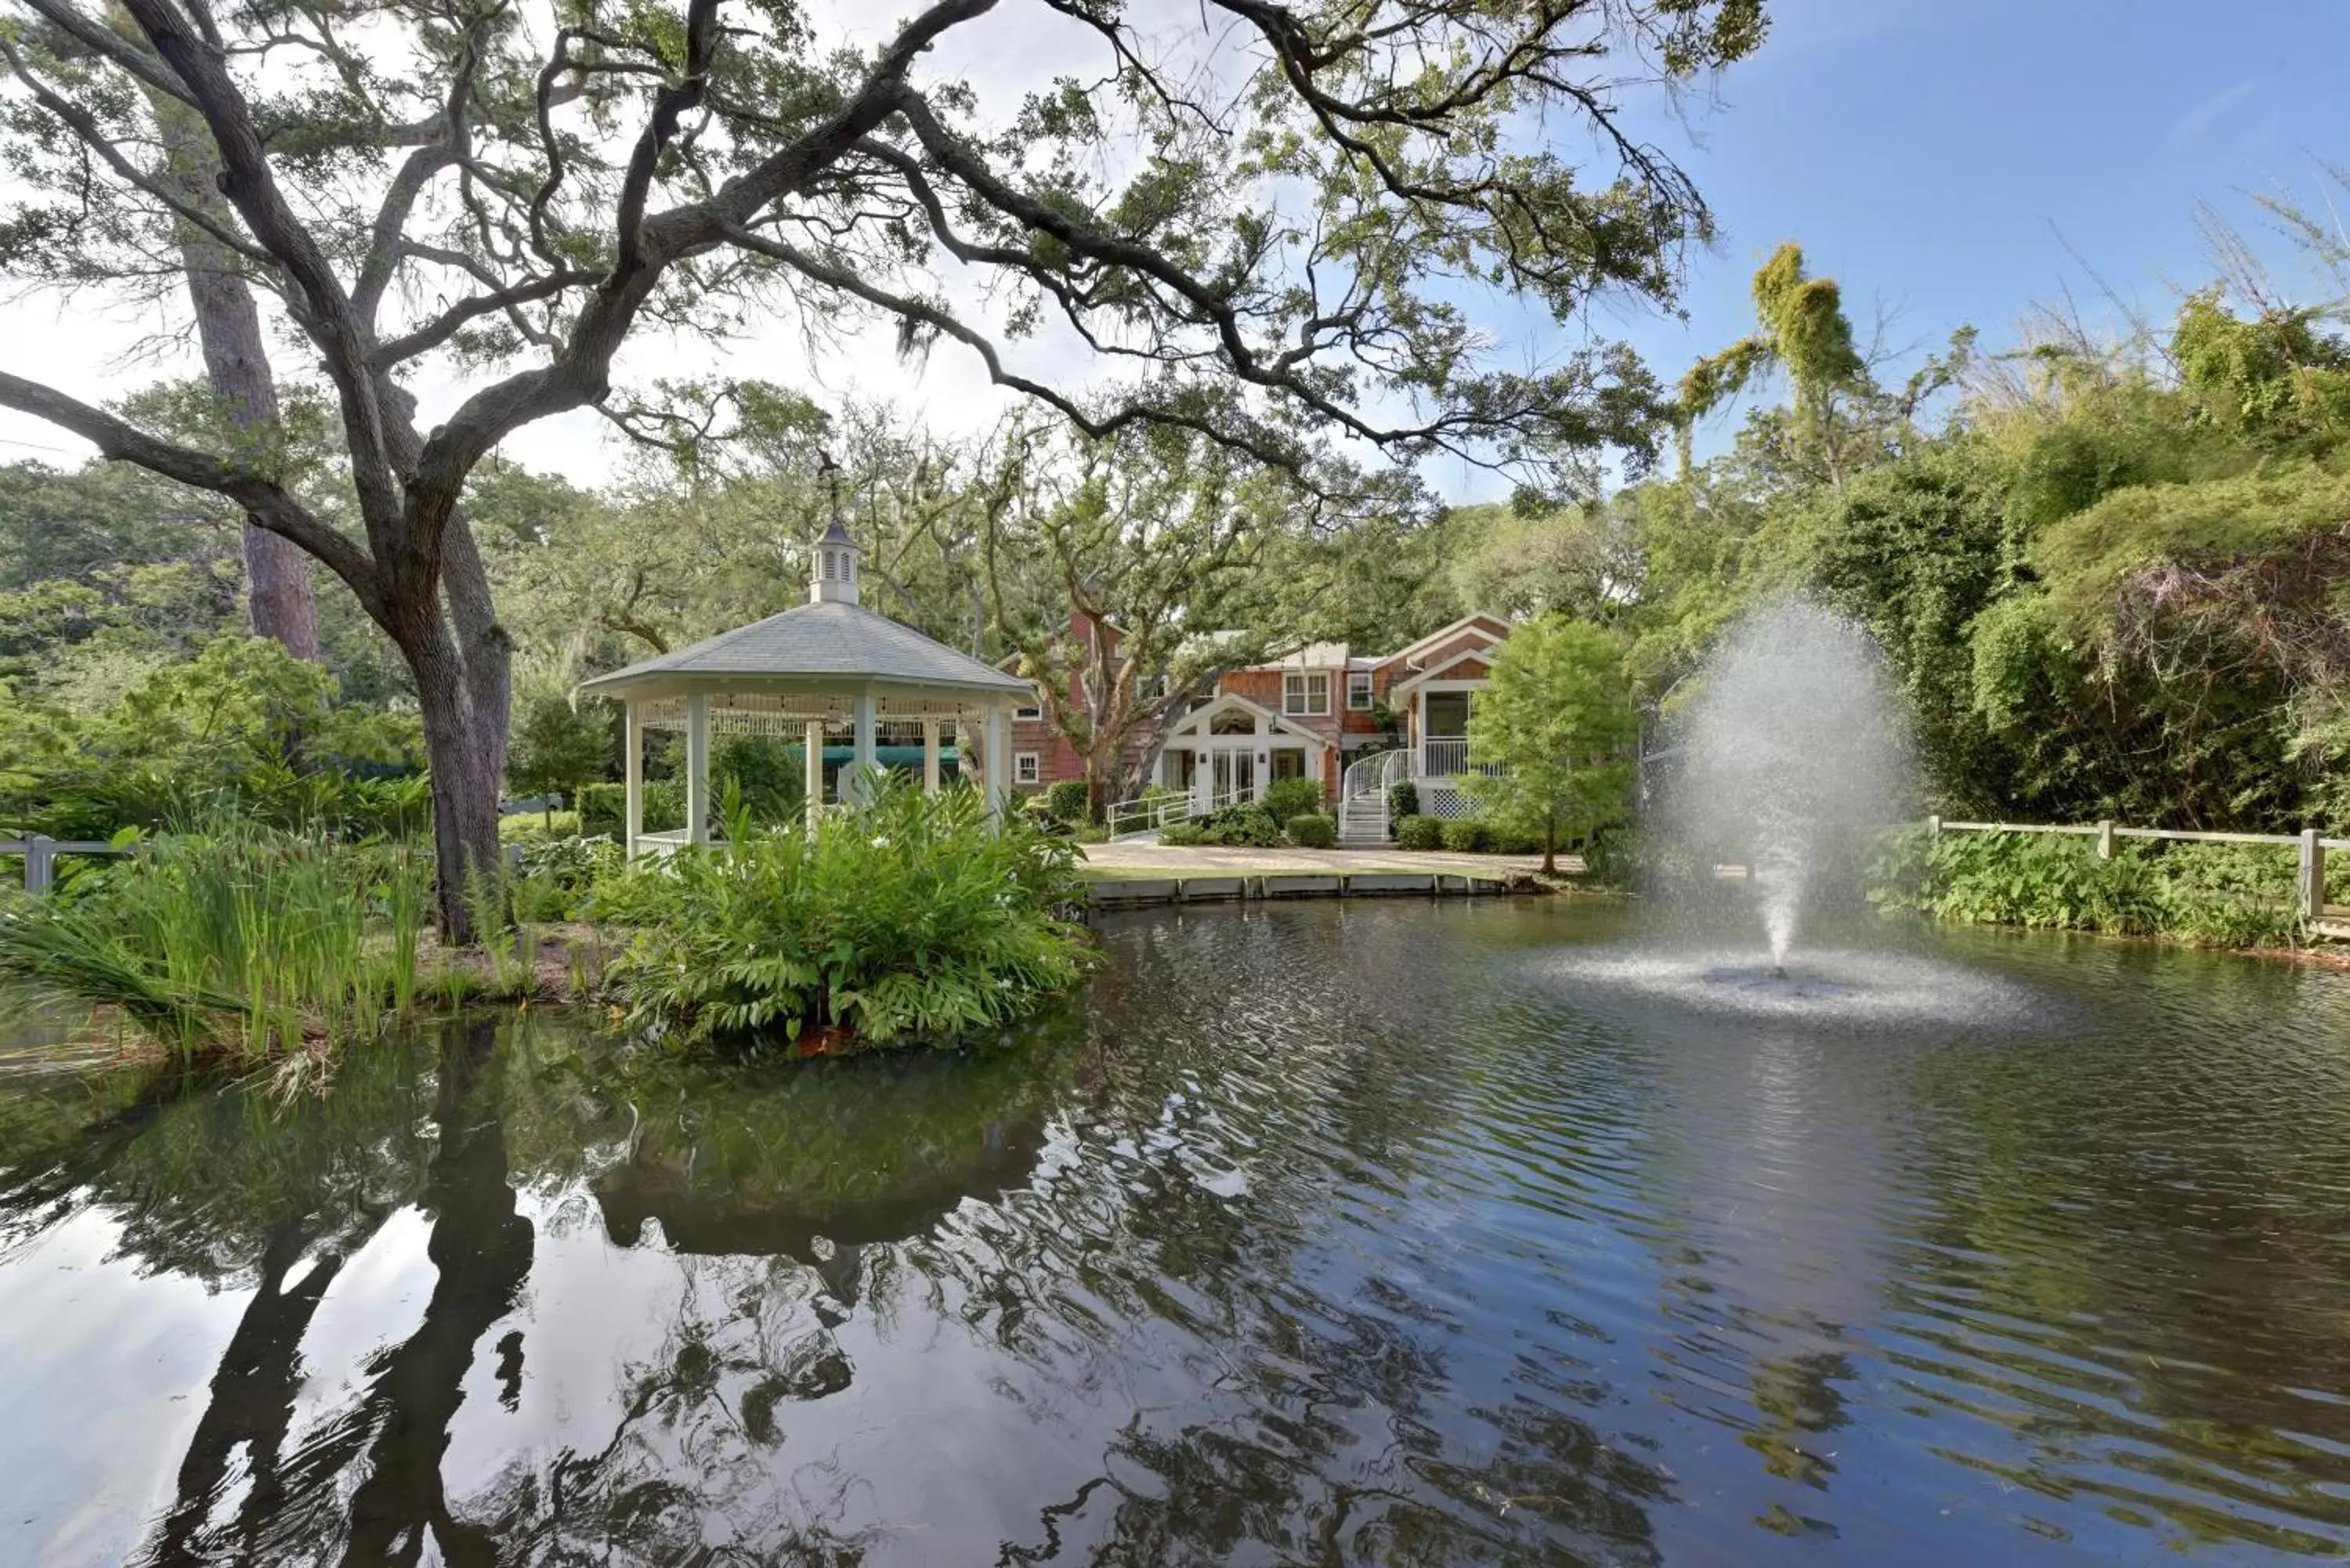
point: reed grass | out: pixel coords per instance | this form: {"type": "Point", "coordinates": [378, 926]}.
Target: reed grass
{"type": "Point", "coordinates": [241, 939]}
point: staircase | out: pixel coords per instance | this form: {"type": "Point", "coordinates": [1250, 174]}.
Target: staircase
{"type": "Point", "coordinates": [1363, 822]}
{"type": "Point", "coordinates": [1363, 799]}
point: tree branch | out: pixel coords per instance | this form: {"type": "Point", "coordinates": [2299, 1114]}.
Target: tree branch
{"type": "Point", "coordinates": [264, 500]}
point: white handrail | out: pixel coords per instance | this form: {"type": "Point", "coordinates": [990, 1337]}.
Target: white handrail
{"type": "Point", "coordinates": [1152, 815]}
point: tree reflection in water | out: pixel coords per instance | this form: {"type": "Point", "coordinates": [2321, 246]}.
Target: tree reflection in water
{"type": "Point", "coordinates": [1276, 1268]}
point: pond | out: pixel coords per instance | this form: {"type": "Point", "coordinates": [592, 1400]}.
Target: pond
{"type": "Point", "coordinates": [1328, 1232]}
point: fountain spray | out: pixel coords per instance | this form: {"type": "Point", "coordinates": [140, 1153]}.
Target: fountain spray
{"type": "Point", "coordinates": [1793, 749]}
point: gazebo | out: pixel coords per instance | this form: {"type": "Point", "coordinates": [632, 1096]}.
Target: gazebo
{"type": "Point", "coordinates": [818, 669]}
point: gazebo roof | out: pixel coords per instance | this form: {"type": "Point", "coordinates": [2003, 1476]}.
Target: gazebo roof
{"type": "Point", "coordinates": [828, 640]}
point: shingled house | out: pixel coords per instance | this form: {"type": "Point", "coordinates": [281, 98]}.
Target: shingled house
{"type": "Point", "coordinates": [1304, 716]}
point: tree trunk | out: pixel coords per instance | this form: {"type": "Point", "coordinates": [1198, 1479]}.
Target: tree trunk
{"type": "Point", "coordinates": [465, 761]}
{"type": "Point", "coordinates": [278, 596]}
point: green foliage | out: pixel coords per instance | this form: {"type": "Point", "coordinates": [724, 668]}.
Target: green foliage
{"type": "Point", "coordinates": [1285, 798]}
{"type": "Point", "coordinates": [1183, 835]}
{"type": "Point", "coordinates": [914, 920]}
{"type": "Point", "coordinates": [2235, 895]}
{"type": "Point", "coordinates": [1403, 800]}
{"type": "Point", "coordinates": [1070, 800]}
{"type": "Point", "coordinates": [1420, 833]}
{"type": "Point", "coordinates": [1239, 827]}
{"type": "Point", "coordinates": [235, 939]}
{"type": "Point", "coordinates": [1308, 830]}
{"type": "Point", "coordinates": [242, 728]}
{"type": "Point", "coordinates": [539, 827]}
{"type": "Point", "coordinates": [1558, 719]}
{"type": "Point", "coordinates": [604, 809]}
{"type": "Point", "coordinates": [1465, 835]}
{"type": "Point", "coordinates": [555, 746]}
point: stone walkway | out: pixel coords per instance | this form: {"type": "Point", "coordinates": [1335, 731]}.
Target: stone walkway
{"type": "Point", "coordinates": [1137, 860]}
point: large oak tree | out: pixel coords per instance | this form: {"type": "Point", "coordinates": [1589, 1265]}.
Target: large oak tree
{"type": "Point", "coordinates": [1260, 220]}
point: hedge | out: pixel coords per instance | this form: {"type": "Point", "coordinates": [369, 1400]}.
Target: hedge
{"type": "Point", "coordinates": [1420, 833]}
{"type": "Point", "coordinates": [1465, 835]}
{"type": "Point", "coordinates": [1285, 798]}
{"type": "Point", "coordinates": [1309, 830]}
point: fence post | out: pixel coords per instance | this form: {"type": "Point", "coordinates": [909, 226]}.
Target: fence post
{"type": "Point", "coordinates": [39, 855]}
{"type": "Point", "coordinates": [2106, 839]}
{"type": "Point", "coordinates": [2313, 875]}
{"type": "Point", "coordinates": [1934, 826]}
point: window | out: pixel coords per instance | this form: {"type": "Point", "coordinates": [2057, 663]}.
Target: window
{"type": "Point", "coordinates": [1359, 691]}
{"type": "Point", "coordinates": [1307, 693]}
{"type": "Point", "coordinates": [1026, 768]}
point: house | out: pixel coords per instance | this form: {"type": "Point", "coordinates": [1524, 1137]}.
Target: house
{"type": "Point", "coordinates": [1309, 715]}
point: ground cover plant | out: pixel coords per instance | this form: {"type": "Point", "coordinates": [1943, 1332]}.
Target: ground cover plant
{"type": "Point", "coordinates": [915, 919]}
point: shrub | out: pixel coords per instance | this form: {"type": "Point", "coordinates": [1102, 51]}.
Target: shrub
{"type": "Point", "coordinates": [1403, 800]}
{"type": "Point", "coordinates": [1038, 813]}
{"type": "Point", "coordinates": [533, 827]}
{"type": "Point", "coordinates": [1285, 798]}
{"type": "Point", "coordinates": [603, 808]}
{"type": "Point", "coordinates": [1183, 835]}
{"type": "Point", "coordinates": [913, 919]}
{"type": "Point", "coordinates": [1418, 833]}
{"type": "Point", "coordinates": [1239, 826]}
{"type": "Point", "coordinates": [1465, 835]}
{"type": "Point", "coordinates": [2240, 895]}
{"type": "Point", "coordinates": [1309, 831]}
{"type": "Point", "coordinates": [1069, 801]}
{"type": "Point", "coordinates": [1505, 840]}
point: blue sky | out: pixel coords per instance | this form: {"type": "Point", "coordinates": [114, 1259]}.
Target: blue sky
{"type": "Point", "coordinates": [1961, 160]}
{"type": "Point", "coordinates": [1953, 161]}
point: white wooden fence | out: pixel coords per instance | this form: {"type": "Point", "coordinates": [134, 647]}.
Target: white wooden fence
{"type": "Point", "coordinates": [41, 852]}
{"type": "Point", "coordinates": [2311, 891]}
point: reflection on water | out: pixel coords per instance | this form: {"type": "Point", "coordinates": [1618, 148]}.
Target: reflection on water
{"type": "Point", "coordinates": [1325, 1233]}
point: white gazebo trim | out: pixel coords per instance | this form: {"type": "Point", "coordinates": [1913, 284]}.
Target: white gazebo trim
{"type": "Point", "coordinates": [797, 673]}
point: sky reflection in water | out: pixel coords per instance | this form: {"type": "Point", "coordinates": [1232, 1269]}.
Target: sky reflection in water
{"type": "Point", "coordinates": [1323, 1233]}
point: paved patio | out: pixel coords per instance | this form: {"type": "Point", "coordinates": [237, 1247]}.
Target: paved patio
{"type": "Point", "coordinates": [1137, 859]}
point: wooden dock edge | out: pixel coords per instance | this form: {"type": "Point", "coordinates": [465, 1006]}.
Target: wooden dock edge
{"type": "Point", "coordinates": [1144, 892]}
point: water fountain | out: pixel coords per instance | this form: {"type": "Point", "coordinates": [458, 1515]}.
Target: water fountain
{"type": "Point", "coordinates": [1792, 757]}
{"type": "Point", "coordinates": [1794, 752]}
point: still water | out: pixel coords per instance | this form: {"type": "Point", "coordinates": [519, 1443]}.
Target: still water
{"type": "Point", "coordinates": [1326, 1234]}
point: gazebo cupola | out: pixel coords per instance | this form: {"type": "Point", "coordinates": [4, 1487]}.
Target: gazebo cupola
{"type": "Point", "coordinates": [832, 575]}
{"type": "Point", "coordinates": [852, 687]}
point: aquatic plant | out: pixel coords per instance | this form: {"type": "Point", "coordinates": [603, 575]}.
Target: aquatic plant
{"type": "Point", "coordinates": [234, 937]}
{"type": "Point", "coordinates": [913, 919]}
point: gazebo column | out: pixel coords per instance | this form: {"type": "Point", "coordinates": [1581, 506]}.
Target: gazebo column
{"type": "Point", "coordinates": [864, 757]}
{"type": "Point", "coordinates": [813, 761]}
{"type": "Point", "coordinates": [930, 756]}
{"type": "Point", "coordinates": [999, 763]}
{"type": "Point", "coordinates": [633, 746]}
{"type": "Point", "coordinates": [697, 768]}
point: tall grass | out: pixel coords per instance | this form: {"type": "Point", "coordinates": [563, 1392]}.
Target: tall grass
{"type": "Point", "coordinates": [913, 919]}
{"type": "Point", "coordinates": [236, 938]}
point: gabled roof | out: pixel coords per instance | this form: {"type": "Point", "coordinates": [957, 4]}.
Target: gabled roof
{"type": "Point", "coordinates": [1480, 620]}
{"type": "Point", "coordinates": [1281, 721]}
{"type": "Point", "coordinates": [1482, 655]}
{"type": "Point", "coordinates": [827, 640]}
